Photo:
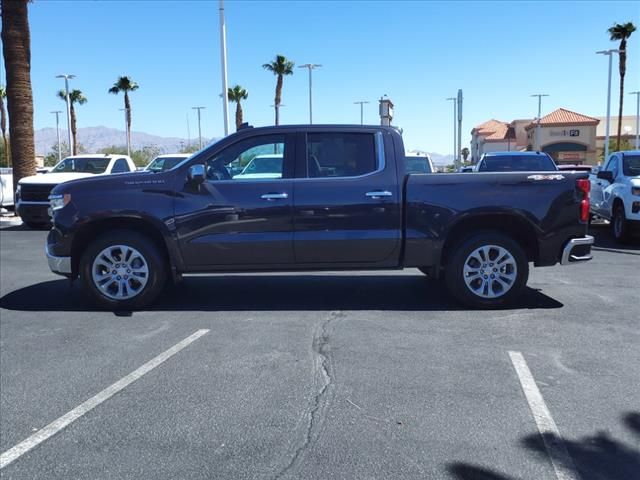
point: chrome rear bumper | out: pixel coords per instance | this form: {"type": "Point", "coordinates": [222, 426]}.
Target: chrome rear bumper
{"type": "Point", "coordinates": [584, 250]}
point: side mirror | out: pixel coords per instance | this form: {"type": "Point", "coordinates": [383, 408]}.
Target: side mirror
{"type": "Point", "coordinates": [606, 175]}
{"type": "Point", "coordinates": [196, 174]}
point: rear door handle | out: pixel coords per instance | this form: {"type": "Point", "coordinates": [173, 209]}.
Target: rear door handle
{"type": "Point", "coordinates": [274, 196]}
{"type": "Point", "coordinates": [378, 194]}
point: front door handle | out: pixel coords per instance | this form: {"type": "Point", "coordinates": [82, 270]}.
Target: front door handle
{"type": "Point", "coordinates": [274, 196]}
{"type": "Point", "coordinates": [375, 195]}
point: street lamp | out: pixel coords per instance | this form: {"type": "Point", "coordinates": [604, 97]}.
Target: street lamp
{"type": "Point", "coordinates": [637, 94]}
{"type": "Point", "coordinates": [223, 59]}
{"type": "Point", "coordinates": [539, 95]}
{"type": "Point", "coordinates": [608, 120]}
{"type": "Point", "coordinates": [57, 113]}
{"type": "Point", "coordinates": [455, 141]}
{"type": "Point", "coordinates": [199, 129]}
{"type": "Point", "coordinates": [310, 66]}
{"type": "Point", "coordinates": [361, 103]}
{"type": "Point", "coordinates": [67, 77]}
{"type": "Point", "coordinates": [126, 130]}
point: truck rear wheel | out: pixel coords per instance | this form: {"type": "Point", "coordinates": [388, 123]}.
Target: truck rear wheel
{"type": "Point", "coordinates": [123, 270]}
{"type": "Point", "coordinates": [487, 270]}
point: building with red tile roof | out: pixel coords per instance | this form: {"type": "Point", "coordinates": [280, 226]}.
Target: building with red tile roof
{"type": "Point", "coordinates": [569, 137]}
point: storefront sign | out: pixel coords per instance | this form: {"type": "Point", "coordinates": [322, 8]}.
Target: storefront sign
{"type": "Point", "coordinates": [571, 155]}
{"type": "Point", "coordinates": [564, 133]}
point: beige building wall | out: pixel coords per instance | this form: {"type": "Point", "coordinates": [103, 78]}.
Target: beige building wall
{"type": "Point", "coordinates": [582, 135]}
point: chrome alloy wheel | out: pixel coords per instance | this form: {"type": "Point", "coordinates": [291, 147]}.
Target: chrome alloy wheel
{"type": "Point", "coordinates": [120, 272]}
{"type": "Point", "coordinates": [490, 271]}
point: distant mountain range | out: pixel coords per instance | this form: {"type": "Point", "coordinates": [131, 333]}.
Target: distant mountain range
{"type": "Point", "coordinates": [96, 138]}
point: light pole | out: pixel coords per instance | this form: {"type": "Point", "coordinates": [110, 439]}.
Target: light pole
{"type": "Point", "coordinates": [310, 66]}
{"type": "Point", "coordinates": [539, 95]}
{"type": "Point", "coordinates": [637, 94]}
{"type": "Point", "coordinates": [455, 136]}
{"type": "Point", "coordinates": [223, 59]}
{"type": "Point", "coordinates": [57, 113]}
{"type": "Point", "coordinates": [67, 77]}
{"type": "Point", "coordinates": [361, 103]}
{"type": "Point", "coordinates": [126, 130]}
{"type": "Point", "coordinates": [608, 119]}
{"type": "Point", "coordinates": [199, 129]}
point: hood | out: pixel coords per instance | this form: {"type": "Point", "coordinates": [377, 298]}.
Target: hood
{"type": "Point", "coordinates": [53, 178]}
{"type": "Point", "coordinates": [116, 181]}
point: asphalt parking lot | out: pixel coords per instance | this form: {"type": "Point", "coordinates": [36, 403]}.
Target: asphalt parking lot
{"type": "Point", "coordinates": [317, 376]}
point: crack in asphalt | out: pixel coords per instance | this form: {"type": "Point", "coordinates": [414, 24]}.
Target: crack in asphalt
{"type": "Point", "coordinates": [323, 378]}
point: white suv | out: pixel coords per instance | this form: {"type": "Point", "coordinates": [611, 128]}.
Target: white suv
{"type": "Point", "coordinates": [32, 194]}
{"type": "Point", "coordinates": [615, 193]}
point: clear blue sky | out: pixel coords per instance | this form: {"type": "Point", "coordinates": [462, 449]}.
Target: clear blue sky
{"type": "Point", "coordinates": [417, 52]}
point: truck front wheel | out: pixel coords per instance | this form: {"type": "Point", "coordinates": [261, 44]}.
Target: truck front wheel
{"type": "Point", "coordinates": [122, 270]}
{"type": "Point", "coordinates": [619, 224]}
{"type": "Point", "coordinates": [487, 270]}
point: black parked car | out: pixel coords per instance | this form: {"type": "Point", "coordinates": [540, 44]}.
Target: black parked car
{"type": "Point", "coordinates": [339, 199]}
{"type": "Point", "coordinates": [516, 162]}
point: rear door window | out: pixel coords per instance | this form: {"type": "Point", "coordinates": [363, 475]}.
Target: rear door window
{"type": "Point", "coordinates": [340, 154]}
{"type": "Point", "coordinates": [121, 166]}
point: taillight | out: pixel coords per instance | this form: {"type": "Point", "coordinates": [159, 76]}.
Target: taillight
{"type": "Point", "coordinates": [584, 186]}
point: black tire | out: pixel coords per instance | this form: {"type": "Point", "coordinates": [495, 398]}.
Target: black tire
{"type": "Point", "coordinates": [151, 256]}
{"type": "Point", "coordinates": [620, 225]}
{"type": "Point", "coordinates": [456, 279]}
{"type": "Point", "coordinates": [38, 225]}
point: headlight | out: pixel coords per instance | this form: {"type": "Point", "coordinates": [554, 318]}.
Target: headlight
{"type": "Point", "coordinates": [635, 191]}
{"type": "Point", "coordinates": [18, 190]}
{"type": "Point", "coordinates": [59, 201]}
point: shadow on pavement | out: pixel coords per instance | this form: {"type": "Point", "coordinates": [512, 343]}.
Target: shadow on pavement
{"type": "Point", "coordinates": [597, 457]}
{"type": "Point", "coordinates": [605, 241]}
{"type": "Point", "coordinates": [273, 292]}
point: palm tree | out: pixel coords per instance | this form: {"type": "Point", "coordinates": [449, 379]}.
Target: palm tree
{"type": "Point", "coordinates": [280, 67]}
{"type": "Point", "coordinates": [237, 94]}
{"type": "Point", "coordinates": [75, 96]}
{"type": "Point", "coordinates": [126, 85]}
{"type": "Point", "coordinates": [3, 123]}
{"type": "Point", "coordinates": [16, 47]}
{"type": "Point", "coordinates": [621, 32]}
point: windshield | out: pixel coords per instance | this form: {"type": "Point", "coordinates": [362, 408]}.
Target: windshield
{"type": "Point", "coordinates": [631, 165]}
{"type": "Point", "coordinates": [417, 165]}
{"type": "Point", "coordinates": [264, 165]}
{"type": "Point", "coordinates": [164, 163]}
{"type": "Point", "coordinates": [517, 163]}
{"type": "Point", "coordinates": [83, 165]}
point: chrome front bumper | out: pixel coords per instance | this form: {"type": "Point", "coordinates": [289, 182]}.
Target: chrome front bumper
{"type": "Point", "coordinates": [583, 244]}
{"type": "Point", "coordinates": [59, 265]}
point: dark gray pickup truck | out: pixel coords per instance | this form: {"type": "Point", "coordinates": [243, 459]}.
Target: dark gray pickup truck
{"type": "Point", "coordinates": [315, 197]}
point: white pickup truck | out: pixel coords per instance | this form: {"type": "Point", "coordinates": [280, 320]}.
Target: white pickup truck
{"type": "Point", "coordinates": [32, 194]}
{"type": "Point", "coordinates": [615, 193]}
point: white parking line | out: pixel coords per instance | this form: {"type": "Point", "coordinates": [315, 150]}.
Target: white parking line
{"type": "Point", "coordinates": [554, 443]}
{"type": "Point", "coordinates": [54, 427]}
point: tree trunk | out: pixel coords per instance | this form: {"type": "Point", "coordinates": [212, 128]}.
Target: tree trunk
{"type": "Point", "coordinates": [127, 111]}
{"type": "Point", "coordinates": [278, 98]}
{"type": "Point", "coordinates": [3, 127]}
{"type": "Point", "coordinates": [238, 115]}
{"type": "Point", "coordinates": [74, 130]}
{"type": "Point", "coordinates": [623, 70]}
{"type": "Point", "coordinates": [16, 47]}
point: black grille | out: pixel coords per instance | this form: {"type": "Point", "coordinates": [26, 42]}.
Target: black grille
{"type": "Point", "coordinates": [35, 193]}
